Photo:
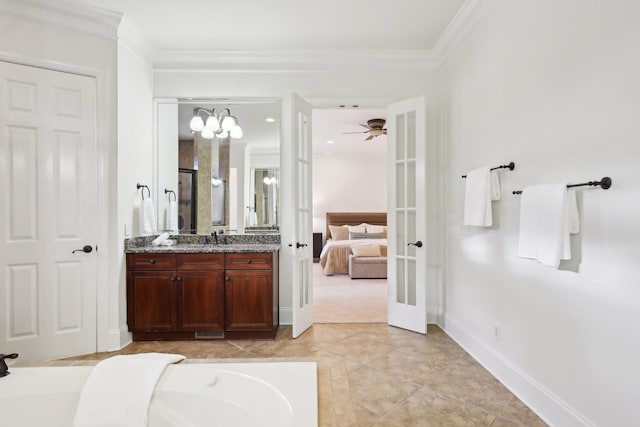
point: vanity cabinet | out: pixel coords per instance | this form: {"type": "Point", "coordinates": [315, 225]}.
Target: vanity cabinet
{"type": "Point", "coordinates": [202, 295]}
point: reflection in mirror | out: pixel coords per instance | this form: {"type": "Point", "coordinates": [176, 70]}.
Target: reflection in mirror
{"type": "Point", "coordinates": [214, 176]}
{"type": "Point", "coordinates": [264, 212]}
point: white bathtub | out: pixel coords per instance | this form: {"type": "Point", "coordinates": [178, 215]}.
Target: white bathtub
{"type": "Point", "coordinates": [199, 394]}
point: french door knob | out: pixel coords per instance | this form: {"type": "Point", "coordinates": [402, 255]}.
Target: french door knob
{"type": "Point", "coordinates": [86, 249]}
{"type": "Point", "coordinates": [416, 244]}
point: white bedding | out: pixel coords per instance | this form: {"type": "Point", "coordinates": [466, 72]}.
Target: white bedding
{"type": "Point", "coordinates": [334, 257]}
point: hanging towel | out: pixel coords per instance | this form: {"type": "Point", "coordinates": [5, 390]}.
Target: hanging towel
{"type": "Point", "coordinates": [544, 224]}
{"type": "Point", "coordinates": [574, 216]}
{"type": "Point", "coordinates": [477, 198]}
{"type": "Point", "coordinates": [148, 224]}
{"type": "Point", "coordinates": [172, 216]}
{"type": "Point", "coordinates": [118, 391]}
{"type": "Point", "coordinates": [496, 191]}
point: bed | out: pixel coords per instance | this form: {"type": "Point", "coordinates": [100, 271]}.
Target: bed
{"type": "Point", "coordinates": [334, 258]}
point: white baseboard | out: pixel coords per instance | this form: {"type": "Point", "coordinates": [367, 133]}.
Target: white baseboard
{"type": "Point", "coordinates": [118, 338]}
{"type": "Point", "coordinates": [286, 315]}
{"type": "Point", "coordinates": [543, 402]}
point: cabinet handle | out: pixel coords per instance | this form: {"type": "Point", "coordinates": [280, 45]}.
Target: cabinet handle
{"type": "Point", "coordinates": [227, 278]}
{"type": "Point", "coordinates": [152, 261]}
{"type": "Point", "coordinates": [178, 278]}
{"type": "Point", "coordinates": [248, 261]}
{"type": "Point", "coordinates": [172, 278]}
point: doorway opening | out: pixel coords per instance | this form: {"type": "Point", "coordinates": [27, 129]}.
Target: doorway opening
{"type": "Point", "coordinates": [349, 175]}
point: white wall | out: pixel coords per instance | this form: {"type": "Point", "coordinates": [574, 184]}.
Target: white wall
{"type": "Point", "coordinates": [553, 86]}
{"type": "Point", "coordinates": [347, 183]}
{"type": "Point", "coordinates": [135, 159]}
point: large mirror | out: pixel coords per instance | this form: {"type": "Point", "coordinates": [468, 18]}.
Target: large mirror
{"type": "Point", "coordinates": [208, 179]}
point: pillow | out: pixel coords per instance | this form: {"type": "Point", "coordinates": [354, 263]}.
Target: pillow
{"type": "Point", "coordinates": [375, 229]}
{"type": "Point", "coordinates": [356, 228]}
{"type": "Point", "coordinates": [339, 232]}
{"type": "Point", "coordinates": [354, 235]}
{"type": "Point", "coordinates": [374, 236]}
{"type": "Point", "coordinates": [367, 250]}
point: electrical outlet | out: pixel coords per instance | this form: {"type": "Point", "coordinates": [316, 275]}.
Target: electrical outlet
{"type": "Point", "coordinates": [496, 331]}
{"type": "Point", "coordinates": [127, 229]}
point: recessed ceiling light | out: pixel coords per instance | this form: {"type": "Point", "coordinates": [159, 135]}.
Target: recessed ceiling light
{"type": "Point", "coordinates": [269, 120]}
{"type": "Point", "coordinates": [329, 142]}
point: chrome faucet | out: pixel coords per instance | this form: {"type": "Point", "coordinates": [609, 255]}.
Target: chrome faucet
{"type": "Point", "coordinates": [4, 369]}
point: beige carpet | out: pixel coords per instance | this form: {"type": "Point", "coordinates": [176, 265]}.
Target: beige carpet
{"type": "Point", "coordinates": [340, 299]}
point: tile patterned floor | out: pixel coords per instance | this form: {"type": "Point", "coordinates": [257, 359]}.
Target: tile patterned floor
{"type": "Point", "coordinates": [371, 375]}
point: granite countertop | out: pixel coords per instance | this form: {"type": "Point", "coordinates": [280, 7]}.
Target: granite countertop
{"type": "Point", "coordinates": [205, 248]}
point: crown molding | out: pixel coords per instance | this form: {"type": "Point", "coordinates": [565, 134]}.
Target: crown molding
{"type": "Point", "coordinates": [136, 42]}
{"type": "Point", "coordinates": [292, 60]}
{"type": "Point", "coordinates": [460, 26]}
{"type": "Point", "coordinates": [94, 21]}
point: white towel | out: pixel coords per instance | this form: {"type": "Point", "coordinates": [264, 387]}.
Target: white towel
{"type": "Point", "coordinates": [477, 198]}
{"type": "Point", "coordinates": [496, 191]}
{"type": "Point", "coordinates": [544, 224]}
{"type": "Point", "coordinates": [574, 216]}
{"type": "Point", "coordinates": [118, 391]}
{"type": "Point", "coordinates": [160, 239]}
{"type": "Point", "coordinates": [172, 217]}
{"type": "Point", "coordinates": [147, 217]}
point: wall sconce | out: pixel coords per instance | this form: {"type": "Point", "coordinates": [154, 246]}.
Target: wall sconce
{"type": "Point", "coordinates": [220, 125]}
{"type": "Point", "coordinates": [268, 180]}
{"type": "Point", "coordinates": [215, 181]}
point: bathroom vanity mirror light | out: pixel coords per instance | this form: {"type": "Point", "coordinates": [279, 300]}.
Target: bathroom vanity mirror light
{"type": "Point", "coordinates": [214, 176]}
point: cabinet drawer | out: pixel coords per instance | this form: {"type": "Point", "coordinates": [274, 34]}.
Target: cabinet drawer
{"type": "Point", "coordinates": [150, 261]}
{"type": "Point", "coordinates": [249, 261]}
{"type": "Point", "coordinates": [200, 261]}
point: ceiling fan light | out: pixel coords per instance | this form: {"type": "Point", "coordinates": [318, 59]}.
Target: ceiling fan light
{"type": "Point", "coordinates": [196, 124]}
{"type": "Point", "coordinates": [212, 123]}
{"type": "Point", "coordinates": [236, 132]}
{"type": "Point", "coordinates": [229, 122]}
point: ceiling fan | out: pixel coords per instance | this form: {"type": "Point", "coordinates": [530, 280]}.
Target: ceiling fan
{"type": "Point", "coordinates": [375, 127]}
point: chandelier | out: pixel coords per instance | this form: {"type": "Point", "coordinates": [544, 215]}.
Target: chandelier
{"type": "Point", "coordinates": [209, 124]}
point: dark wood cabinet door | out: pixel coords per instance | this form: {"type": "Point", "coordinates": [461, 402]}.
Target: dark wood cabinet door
{"type": "Point", "coordinates": [151, 299]}
{"type": "Point", "coordinates": [200, 300]}
{"type": "Point", "coordinates": [249, 300]}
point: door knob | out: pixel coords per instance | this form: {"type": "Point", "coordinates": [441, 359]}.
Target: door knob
{"type": "Point", "coordinates": [86, 249]}
{"type": "Point", "coordinates": [416, 244]}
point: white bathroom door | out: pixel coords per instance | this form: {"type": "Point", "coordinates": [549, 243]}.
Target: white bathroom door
{"type": "Point", "coordinates": [406, 205]}
{"type": "Point", "coordinates": [48, 209]}
{"type": "Point", "coordinates": [302, 292]}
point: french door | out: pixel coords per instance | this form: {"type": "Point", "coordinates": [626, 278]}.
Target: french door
{"type": "Point", "coordinates": [302, 292]}
{"type": "Point", "coordinates": [406, 206]}
{"type": "Point", "coordinates": [48, 212]}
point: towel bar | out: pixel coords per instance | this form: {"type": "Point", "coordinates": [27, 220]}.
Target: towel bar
{"type": "Point", "coordinates": [139, 186]}
{"type": "Point", "coordinates": [511, 166]}
{"type": "Point", "coordinates": [604, 183]}
{"type": "Point", "coordinates": [170, 192]}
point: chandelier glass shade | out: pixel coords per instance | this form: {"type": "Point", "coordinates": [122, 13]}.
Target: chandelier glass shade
{"type": "Point", "coordinates": [209, 124]}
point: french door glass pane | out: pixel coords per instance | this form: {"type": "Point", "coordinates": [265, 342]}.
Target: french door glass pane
{"type": "Point", "coordinates": [410, 185]}
{"type": "Point", "coordinates": [400, 233]}
{"type": "Point", "coordinates": [400, 186]}
{"type": "Point", "coordinates": [411, 232]}
{"type": "Point", "coordinates": [400, 291]}
{"type": "Point", "coordinates": [411, 281]}
{"type": "Point", "coordinates": [400, 127]}
{"type": "Point", "coordinates": [411, 135]}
